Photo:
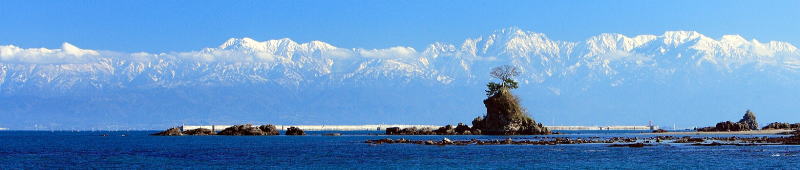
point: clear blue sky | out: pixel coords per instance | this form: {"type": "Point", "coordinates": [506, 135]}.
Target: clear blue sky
{"type": "Point", "coordinates": [163, 26]}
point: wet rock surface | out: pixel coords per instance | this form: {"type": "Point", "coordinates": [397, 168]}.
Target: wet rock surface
{"type": "Point", "coordinates": [748, 122]}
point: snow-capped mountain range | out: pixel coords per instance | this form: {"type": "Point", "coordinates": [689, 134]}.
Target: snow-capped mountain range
{"type": "Point", "coordinates": [289, 63]}
{"type": "Point", "coordinates": [668, 77]}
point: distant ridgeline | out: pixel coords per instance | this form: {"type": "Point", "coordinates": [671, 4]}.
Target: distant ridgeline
{"type": "Point", "coordinates": [286, 82]}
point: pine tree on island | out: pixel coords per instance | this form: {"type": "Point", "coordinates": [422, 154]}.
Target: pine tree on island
{"type": "Point", "coordinates": [504, 114]}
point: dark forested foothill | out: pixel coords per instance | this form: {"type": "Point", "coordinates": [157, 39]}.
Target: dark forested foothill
{"type": "Point", "coordinates": [748, 122]}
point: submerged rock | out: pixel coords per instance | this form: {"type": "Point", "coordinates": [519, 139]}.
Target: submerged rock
{"type": "Point", "coordinates": [505, 116]}
{"type": "Point", "coordinates": [199, 132]}
{"type": "Point", "coordinates": [170, 132]}
{"type": "Point", "coordinates": [747, 123]}
{"type": "Point", "coordinates": [242, 130]}
{"type": "Point", "coordinates": [294, 131]}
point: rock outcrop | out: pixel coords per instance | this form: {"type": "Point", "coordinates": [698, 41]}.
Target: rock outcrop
{"type": "Point", "coordinates": [460, 129]}
{"type": "Point", "coordinates": [505, 116]}
{"type": "Point", "coordinates": [199, 132]}
{"type": "Point", "coordinates": [464, 129]}
{"type": "Point", "coordinates": [242, 130]}
{"type": "Point", "coordinates": [780, 125]}
{"type": "Point", "coordinates": [393, 131]}
{"type": "Point", "coordinates": [660, 131]}
{"type": "Point", "coordinates": [748, 122]}
{"type": "Point", "coordinates": [269, 130]}
{"type": "Point", "coordinates": [445, 130]}
{"type": "Point", "coordinates": [170, 132]}
{"type": "Point", "coordinates": [294, 131]}
{"type": "Point", "coordinates": [410, 131]}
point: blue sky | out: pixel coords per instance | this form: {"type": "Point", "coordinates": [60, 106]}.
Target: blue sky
{"type": "Point", "coordinates": [163, 26]}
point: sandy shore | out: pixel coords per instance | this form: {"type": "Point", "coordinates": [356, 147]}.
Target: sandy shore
{"type": "Point", "coordinates": [753, 132]}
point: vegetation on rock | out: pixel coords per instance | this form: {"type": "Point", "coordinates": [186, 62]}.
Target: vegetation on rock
{"type": "Point", "coordinates": [504, 114]}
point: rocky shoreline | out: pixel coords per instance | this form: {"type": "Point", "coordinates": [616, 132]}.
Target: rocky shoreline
{"type": "Point", "coordinates": [504, 116]}
{"type": "Point", "coordinates": [613, 141]}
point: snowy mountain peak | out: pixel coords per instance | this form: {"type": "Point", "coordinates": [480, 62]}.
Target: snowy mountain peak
{"type": "Point", "coordinates": [606, 57]}
{"type": "Point", "coordinates": [676, 38]}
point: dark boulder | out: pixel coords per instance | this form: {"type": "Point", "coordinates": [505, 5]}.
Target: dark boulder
{"type": "Point", "coordinates": [505, 116]}
{"type": "Point", "coordinates": [417, 131]}
{"type": "Point", "coordinates": [199, 132]}
{"type": "Point", "coordinates": [393, 131]}
{"type": "Point", "coordinates": [269, 130]}
{"type": "Point", "coordinates": [445, 130]}
{"type": "Point", "coordinates": [294, 131]}
{"type": "Point", "coordinates": [242, 130]}
{"type": "Point", "coordinates": [475, 131]}
{"type": "Point", "coordinates": [170, 132]}
{"type": "Point", "coordinates": [463, 129]}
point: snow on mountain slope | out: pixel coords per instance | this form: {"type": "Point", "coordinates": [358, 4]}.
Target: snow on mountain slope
{"type": "Point", "coordinates": [290, 64]}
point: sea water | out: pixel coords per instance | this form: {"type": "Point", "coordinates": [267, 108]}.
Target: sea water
{"type": "Point", "coordinates": [135, 149]}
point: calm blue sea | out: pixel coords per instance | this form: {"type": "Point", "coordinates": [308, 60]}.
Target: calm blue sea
{"type": "Point", "coordinates": [82, 150]}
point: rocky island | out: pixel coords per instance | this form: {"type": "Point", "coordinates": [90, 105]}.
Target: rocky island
{"type": "Point", "coordinates": [747, 123]}
{"type": "Point", "coordinates": [504, 114]}
{"type": "Point", "coordinates": [782, 126]}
